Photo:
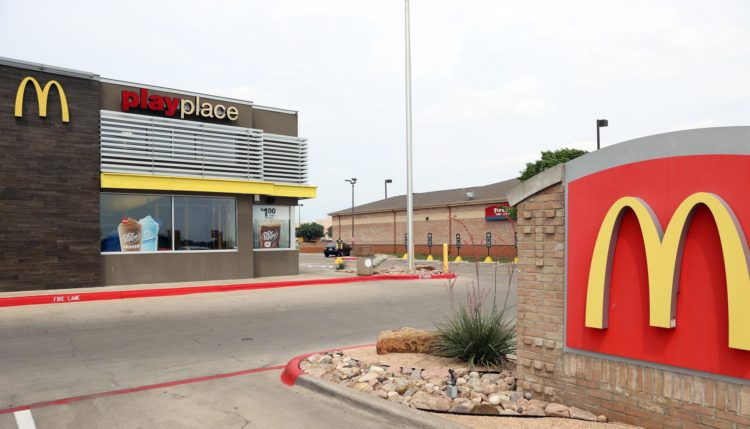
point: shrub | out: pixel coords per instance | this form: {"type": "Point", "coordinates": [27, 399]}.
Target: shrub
{"type": "Point", "coordinates": [310, 231]}
{"type": "Point", "coordinates": [481, 339]}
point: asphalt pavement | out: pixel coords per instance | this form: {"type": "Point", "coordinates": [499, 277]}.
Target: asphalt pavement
{"type": "Point", "coordinates": [51, 352]}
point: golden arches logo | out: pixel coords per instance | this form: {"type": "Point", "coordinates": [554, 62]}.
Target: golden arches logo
{"type": "Point", "coordinates": [663, 259]}
{"type": "Point", "coordinates": [42, 96]}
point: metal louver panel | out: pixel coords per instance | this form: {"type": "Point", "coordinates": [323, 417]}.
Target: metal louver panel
{"type": "Point", "coordinates": [284, 159]}
{"type": "Point", "coordinates": [170, 147]}
{"type": "Point", "coordinates": [163, 146]}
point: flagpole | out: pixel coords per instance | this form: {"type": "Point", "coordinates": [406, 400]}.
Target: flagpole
{"type": "Point", "coordinates": [409, 172]}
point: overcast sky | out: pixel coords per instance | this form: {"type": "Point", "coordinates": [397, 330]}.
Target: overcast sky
{"type": "Point", "coordinates": [494, 82]}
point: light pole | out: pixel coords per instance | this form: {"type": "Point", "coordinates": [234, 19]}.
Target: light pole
{"type": "Point", "coordinates": [353, 180]}
{"type": "Point", "coordinates": [387, 181]}
{"type": "Point", "coordinates": [600, 123]}
{"type": "Point", "coordinates": [409, 183]}
{"type": "Point", "coordinates": [299, 208]}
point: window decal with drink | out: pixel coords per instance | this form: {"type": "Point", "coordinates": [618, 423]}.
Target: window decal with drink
{"type": "Point", "coordinates": [271, 227]}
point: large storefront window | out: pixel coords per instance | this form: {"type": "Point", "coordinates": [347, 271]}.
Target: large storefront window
{"type": "Point", "coordinates": [272, 227]}
{"type": "Point", "coordinates": [135, 223]}
{"type": "Point", "coordinates": [204, 223]}
{"type": "Point", "coordinates": [143, 223]}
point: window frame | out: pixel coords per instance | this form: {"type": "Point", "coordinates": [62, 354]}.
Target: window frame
{"type": "Point", "coordinates": [171, 202]}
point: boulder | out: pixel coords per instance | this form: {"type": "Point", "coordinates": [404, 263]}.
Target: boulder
{"type": "Point", "coordinates": [406, 340]}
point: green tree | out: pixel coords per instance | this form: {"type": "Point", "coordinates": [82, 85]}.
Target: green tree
{"type": "Point", "coordinates": [549, 159]}
{"type": "Point", "coordinates": [329, 231]}
{"type": "Point", "coordinates": [309, 231]}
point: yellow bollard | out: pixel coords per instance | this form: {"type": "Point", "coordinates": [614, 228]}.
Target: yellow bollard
{"type": "Point", "coordinates": [488, 259]}
{"type": "Point", "coordinates": [406, 256]}
{"type": "Point", "coordinates": [445, 257]}
{"type": "Point", "coordinates": [429, 258]}
{"type": "Point", "coordinates": [458, 259]}
{"type": "Point", "coordinates": [338, 261]}
{"type": "Point", "coordinates": [515, 260]}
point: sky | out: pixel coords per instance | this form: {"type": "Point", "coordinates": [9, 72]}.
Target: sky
{"type": "Point", "coordinates": [493, 82]}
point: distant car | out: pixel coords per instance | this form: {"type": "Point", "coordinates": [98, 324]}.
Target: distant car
{"type": "Point", "coordinates": [330, 250]}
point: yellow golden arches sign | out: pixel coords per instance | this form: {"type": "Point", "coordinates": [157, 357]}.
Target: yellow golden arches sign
{"type": "Point", "coordinates": [663, 259]}
{"type": "Point", "coordinates": [42, 96]}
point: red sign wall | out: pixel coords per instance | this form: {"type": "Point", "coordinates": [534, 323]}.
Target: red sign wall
{"type": "Point", "coordinates": [700, 339]}
{"type": "Point", "coordinates": [497, 212]}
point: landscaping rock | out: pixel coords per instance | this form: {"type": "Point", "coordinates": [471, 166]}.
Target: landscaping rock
{"type": "Point", "coordinates": [363, 387]}
{"type": "Point", "coordinates": [367, 377]}
{"type": "Point", "coordinates": [533, 410]}
{"type": "Point", "coordinates": [601, 418]}
{"type": "Point", "coordinates": [477, 392]}
{"type": "Point", "coordinates": [484, 409]}
{"type": "Point", "coordinates": [406, 340]}
{"type": "Point", "coordinates": [557, 410]}
{"type": "Point", "coordinates": [462, 408]}
{"type": "Point", "coordinates": [577, 413]}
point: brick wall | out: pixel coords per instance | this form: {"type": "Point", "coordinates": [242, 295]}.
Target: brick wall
{"type": "Point", "coordinates": [649, 397]}
{"type": "Point", "coordinates": [49, 193]}
{"type": "Point", "coordinates": [385, 230]}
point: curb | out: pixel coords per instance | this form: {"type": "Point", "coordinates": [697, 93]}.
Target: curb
{"type": "Point", "coordinates": [396, 413]}
{"type": "Point", "coordinates": [65, 298]}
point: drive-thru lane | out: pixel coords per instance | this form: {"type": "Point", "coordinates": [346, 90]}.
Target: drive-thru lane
{"type": "Point", "coordinates": [52, 352]}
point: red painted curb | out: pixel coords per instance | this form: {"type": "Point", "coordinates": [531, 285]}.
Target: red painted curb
{"type": "Point", "coordinates": [292, 371]}
{"type": "Point", "coordinates": [137, 389]}
{"type": "Point", "coordinates": [16, 301]}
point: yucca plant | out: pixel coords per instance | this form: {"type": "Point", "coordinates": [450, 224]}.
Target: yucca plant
{"type": "Point", "coordinates": [479, 338]}
{"type": "Point", "coordinates": [470, 333]}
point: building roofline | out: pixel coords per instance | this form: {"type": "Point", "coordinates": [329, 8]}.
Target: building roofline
{"type": "Point", "coordinates": [431, 206]}
{"type": "Point", "coordinates": [47, 68]}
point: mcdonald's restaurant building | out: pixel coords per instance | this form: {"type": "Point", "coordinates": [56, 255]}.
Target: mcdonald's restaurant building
{"type": "Point", "coordinates": [107, 182]}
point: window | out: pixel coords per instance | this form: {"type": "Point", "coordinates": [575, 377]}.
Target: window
{"type": "Point", "coordinates": [143, 223]}
{"type": "Point", "coordinates": [204, 223]}
{"type": "Point", "coordinates": [135, 223]}
{"type": "Point", "coordinates": [272, 227]}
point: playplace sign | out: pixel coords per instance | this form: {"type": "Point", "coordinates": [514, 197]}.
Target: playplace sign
{"type": "Point", "coordinates": [658, 263]}
{"type": "Point", "coordinates": [176, 106]}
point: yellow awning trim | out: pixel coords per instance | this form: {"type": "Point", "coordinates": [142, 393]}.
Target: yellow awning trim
{"type": "Point", "coordinates": [209, 185]}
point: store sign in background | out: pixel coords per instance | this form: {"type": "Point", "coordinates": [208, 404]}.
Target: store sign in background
{"type": "Point", "coordinates": [497, 212]}
{"type": "Point", "coordinates": [272, 226]}
{"type": "Point", "coordinates": [700, 339]}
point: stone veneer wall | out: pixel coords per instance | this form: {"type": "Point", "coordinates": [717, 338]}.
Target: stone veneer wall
{"type": "Point", "coordinates": [649, 397]}
{"type": "Point", "coordinates": [49, 185]}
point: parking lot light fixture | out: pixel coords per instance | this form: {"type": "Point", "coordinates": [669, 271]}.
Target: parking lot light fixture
{"type": "Point", "coordinates": [352, 181]}
{"type": "Point", "coordinates": [600, 123]}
